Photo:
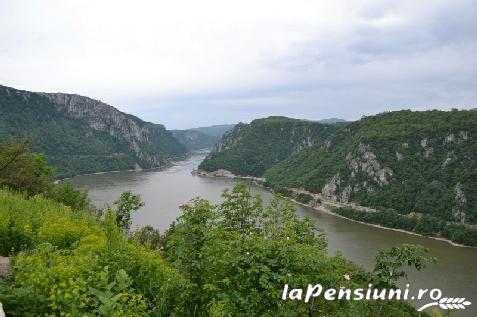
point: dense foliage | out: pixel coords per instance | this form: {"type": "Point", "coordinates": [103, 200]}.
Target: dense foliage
{"type": "Point", "coordinates": [231, 259]}
{"type": "Point", "coordinates": [71, 145]}
{"type": "Point", "coordinates": [250, 149]}
{"type": "Point", "coordinates": [425, 225]}
{"type": "Point", "coordinates": [73, 264]}
{"type": "Point", "coordinates": [428, 160]}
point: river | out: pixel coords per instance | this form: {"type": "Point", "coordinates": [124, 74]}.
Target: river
{"type": "Point", "coordinates": [164, 190]}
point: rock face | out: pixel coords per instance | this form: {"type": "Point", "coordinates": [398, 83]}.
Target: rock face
{"type": "Point", "coordinates": [363, 162]}
{"type": "Point", "coordinates": [147, 140]}
{"type": "Point", "coordinates": [460, 201]}
{"type": "Point", "coordinates": [80, 135]}
{"type": "Point", "coordinates": [366, 161]}
{"type": "Point", "coordinates": [5, 267]}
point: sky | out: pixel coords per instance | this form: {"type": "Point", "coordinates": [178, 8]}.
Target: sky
{"type": "Point", "coordinates": [197, 63]}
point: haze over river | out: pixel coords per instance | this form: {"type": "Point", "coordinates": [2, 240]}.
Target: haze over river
{"type": "Point", "coordinates": [164, 190]}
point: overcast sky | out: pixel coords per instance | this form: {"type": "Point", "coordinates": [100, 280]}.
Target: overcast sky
{"type": "Point", "coordinates": [202, 62]}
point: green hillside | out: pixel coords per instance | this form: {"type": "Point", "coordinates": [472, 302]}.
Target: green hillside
{"type": "Point", "coordinates": [77, 144]}
{"type": "Point", "coordinates": [412, 162]}
{"type": "Point", "coordinates": [250, 149]}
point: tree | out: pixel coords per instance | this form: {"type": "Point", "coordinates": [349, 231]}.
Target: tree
{"type": "Point", "coordinates": [388, 268]}
{"type": "Point", "coordinates": [22, 170]}
{"type": "Point", "coordinates": [125, 205]}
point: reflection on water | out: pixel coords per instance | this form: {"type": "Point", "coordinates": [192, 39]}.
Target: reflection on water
{"type": "Point", "coordinates": [163, 191]}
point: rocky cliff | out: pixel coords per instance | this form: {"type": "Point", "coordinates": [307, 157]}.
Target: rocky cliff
{"type": "Point", "coordinates": [83, 135]}
{"type": "Point", "coordinates": [151, 143]}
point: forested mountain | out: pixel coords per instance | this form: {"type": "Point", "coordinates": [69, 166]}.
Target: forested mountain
{"type": "Point", "coordinates": [83, 135]}
{"type": "Point", "coordinates": [250, 149]}
{"type": "Point", "coordinates": [419, 169]}
{"type": "Point", "coordinates": [423, 162]}
{"type": "Point", "coordinates": [200, 138]}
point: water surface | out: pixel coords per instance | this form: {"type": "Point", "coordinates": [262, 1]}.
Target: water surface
{"type": "Point", "coordinates": [163, 191]}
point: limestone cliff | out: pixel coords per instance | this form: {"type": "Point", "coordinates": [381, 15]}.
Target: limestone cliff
{"type": "Point", "coordinates": [83, 135]}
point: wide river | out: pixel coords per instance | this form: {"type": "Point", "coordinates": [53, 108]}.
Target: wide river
{"type": "Point", "coordinates": [164, 190]}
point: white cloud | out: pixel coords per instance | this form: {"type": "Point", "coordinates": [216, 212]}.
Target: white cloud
{"type": "Point", "coordinates": [143, 55]}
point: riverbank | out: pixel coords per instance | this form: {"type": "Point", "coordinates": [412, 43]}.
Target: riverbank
{"type": "Point", "coordinates": [323, 206]}
{"type": "Point", "coordinates": [169, 162]}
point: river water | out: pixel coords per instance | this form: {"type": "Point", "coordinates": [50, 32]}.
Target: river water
{"type": "Point", "coordinates": [164, 190]}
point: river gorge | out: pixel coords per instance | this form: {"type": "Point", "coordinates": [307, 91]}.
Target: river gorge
{"type": "Point", "coordinates": [164, 190]}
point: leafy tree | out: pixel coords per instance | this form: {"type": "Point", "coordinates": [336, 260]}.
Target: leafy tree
{"type": "Point", "coordinates": [125, 205]}
{"type": "Point", "coordinates": [150, 237]}
{"type": "Point", "coordinates": [22, 170]}
{"type": "Point", "coordinates": [389, 264]}
{"type": "Point", "coordinates": [66, 194]}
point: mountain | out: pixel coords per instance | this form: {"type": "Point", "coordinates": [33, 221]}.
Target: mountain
{"type": "Point", "coordinates": [83, 135]}
{"type": "Point", "coordinates": [200, 138]}
{"type": "Point", "coordinates": [215, 130]}
{"type": "Point", "coordinates": [332, 120]}
{"type": "Point", "coordinates": [250, 149]}
{"type": "Point", "coordinates": [411, 162]}
{"type": "Point", "coordinates": [414, 171]}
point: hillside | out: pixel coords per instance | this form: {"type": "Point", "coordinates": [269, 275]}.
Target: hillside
{"type": "Point", "coordinates": [83, 135]}
{"type": "Point", "coordinates": [416, 163]}
{"type": "Point", "coordinates": [215, 130]}
{"type": "Point", "coordinates": [250, 149]}
{"type": "Point", "coordinates": [201, 138]}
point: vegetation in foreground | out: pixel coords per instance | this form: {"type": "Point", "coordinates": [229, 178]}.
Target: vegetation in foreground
{"type": "Point", "coordinates": [230, 259]}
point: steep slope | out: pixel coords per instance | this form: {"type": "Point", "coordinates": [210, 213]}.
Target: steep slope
{"type": "Point", "coordinates": [82, 135]}
{"type": "Point", "coordinates": [250, 149]}
{"type": "Point", "coordinates": [411, 162]}
{"type": "Point", "coordinates": [201, 138]}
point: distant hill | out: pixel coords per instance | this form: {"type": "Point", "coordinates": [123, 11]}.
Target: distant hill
{"type": "Point", "coordinates": [332, 120]}
{"type": "Point", "coordinates": [200, 138]}
{"type": "Point", "coordinates": [215, 130]}
{"type": "Point", "coordinates": [83, 135]}
{"type": "Point", "coordinates": [250, 149]}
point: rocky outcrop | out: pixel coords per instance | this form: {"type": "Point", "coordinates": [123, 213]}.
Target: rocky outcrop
{"type": "Point", "coordinates": [460, 202]}
{"type": "Point", "coordinates": [366, 161]}
{"type": "Point", "coordinates": [5, 271]}
{"type": "Point", "coordinates": [151, 143]}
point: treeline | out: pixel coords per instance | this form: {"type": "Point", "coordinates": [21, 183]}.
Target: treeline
{"type": "Point", "coordinates": [423, 224]}
{"type": "Point", "coordinates": [229, 259]}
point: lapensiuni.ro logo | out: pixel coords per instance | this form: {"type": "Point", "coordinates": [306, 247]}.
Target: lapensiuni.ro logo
{"type": "Point", "coordinates": [430, 298]}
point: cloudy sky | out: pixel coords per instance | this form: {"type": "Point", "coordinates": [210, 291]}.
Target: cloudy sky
{"type": "Point", "coordinates": [195, 63]}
